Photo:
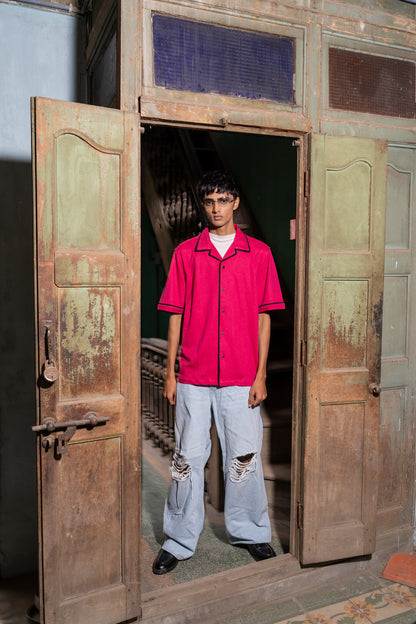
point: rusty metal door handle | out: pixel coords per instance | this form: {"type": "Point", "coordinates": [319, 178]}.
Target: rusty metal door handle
{"type": "Point", "coordinates": [90, 420]}
{"type": "Point", "coordinates": [374, 389]}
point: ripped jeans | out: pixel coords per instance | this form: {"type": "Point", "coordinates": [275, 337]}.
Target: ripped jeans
{"type": "Point", "coordinates": [240, 433]}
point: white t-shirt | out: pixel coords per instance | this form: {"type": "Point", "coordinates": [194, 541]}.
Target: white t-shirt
{"type": "Point", "coordinates": [222, 243]}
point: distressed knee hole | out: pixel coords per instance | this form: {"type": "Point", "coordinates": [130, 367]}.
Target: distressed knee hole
{"type": "Point", "coordinates": [180, 469]}
{"type": "Point", "coordinates": [242, 466]}
{"type": "Point", "coordinates": [244, 459]}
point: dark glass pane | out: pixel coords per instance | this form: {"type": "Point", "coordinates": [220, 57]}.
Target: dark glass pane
{"type": "Point", "coordinates": [371, 84]}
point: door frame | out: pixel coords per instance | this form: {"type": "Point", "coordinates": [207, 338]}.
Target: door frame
{"type": "Point", "coordinates": [226, 586]}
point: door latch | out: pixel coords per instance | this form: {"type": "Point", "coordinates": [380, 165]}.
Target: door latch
{"type": "Point", "coordinates": [65, 430]}
{"type": "Point", "coordinates": [59, 442]}
{"type": "Point", "coordinates": [62, 440]}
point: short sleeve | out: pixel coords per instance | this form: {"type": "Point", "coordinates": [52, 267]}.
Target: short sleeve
{"type": "Point", "coordinates": [173, 295]}
{"type": "Point", "coordinates": [268, 285]}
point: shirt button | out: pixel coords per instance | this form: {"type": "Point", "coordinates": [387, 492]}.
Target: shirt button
{"type": "Point", "coordinates": [223, 356]}
{"type": "Point", "coordinates": [222, 310]}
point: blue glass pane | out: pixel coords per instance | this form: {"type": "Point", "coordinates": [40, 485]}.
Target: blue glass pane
{"type": "Point", "coordinates": [198, 57]}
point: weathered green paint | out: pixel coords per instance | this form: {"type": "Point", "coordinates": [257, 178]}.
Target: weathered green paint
{"type": "Point", "coordinates": [344, 323]}
{"type": "Point", "coordinates": [82, 268]}
{"type": "Point", "coordinates": [89, 341]}
{"type": "Point", "coordinates": [400, 177]}
{"type": "Point", "coordinates": [398, 369]}
{"type": "Point", "coordinates": [87, 187]}
{"type": "Point", "coordinates": [88, 261]}
{"type": "Point", "coordinates": [385, 29]}
{"type": "Point", "coordinates": [345, 282]}
{"type": "Point", "coordinates": [395, 324]}
{"type": "Point", "coordinates": [347, 217]}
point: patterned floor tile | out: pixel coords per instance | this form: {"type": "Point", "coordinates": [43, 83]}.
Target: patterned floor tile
{"type": "Point", "coordinates": [386, 604]}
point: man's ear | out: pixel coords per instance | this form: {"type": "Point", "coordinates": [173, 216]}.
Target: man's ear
{"type": "Point", "coordinates": [236, 203]}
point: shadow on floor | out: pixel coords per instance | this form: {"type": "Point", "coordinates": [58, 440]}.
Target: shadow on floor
{"type": "Point", "coordinates": [17, 600]}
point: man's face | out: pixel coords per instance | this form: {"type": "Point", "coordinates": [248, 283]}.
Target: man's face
{"type": "Point", "coordinates": [219, 209]}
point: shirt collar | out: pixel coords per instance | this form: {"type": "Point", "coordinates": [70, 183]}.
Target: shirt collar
{"type": "Point", "coordinates": [240, 242]}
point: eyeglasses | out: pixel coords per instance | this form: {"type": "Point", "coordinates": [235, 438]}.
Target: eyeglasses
{"type": "Point", "coordinates": [221, 201]}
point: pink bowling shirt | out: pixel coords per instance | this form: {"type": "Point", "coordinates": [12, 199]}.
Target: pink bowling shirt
{"type": "Point", "coordinates": [220, 299]}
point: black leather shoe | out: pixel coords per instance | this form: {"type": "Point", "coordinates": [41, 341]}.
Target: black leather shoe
{"type": "Point", "coordinates": [164, 562]}
{"type": "Point", "coordinates": [259, 552]}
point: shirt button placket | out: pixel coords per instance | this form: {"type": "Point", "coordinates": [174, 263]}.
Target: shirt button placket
{"type": "Point", "coordinates": [223, 312]}
{"type": "Point", "coordinates": [221, 320]}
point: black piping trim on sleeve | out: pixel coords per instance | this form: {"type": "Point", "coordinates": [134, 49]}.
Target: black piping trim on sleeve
{"type": "Point", "coordinates": [264, 305]}
{"type": "Point", "coordinates": [169, 305]}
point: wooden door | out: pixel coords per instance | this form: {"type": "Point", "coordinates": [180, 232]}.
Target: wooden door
{"type": "Point", "coordinates": [395, 516]}
{"type": "Point", "coordinates": [87, 221]}
{"type": "Point", "coordinates": [337, 510]}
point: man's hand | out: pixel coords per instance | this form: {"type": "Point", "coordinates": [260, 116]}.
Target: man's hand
{"type": "Point", "coordinates": [258, 392]}
{"type": "Point", "coordinates": [169, 390]}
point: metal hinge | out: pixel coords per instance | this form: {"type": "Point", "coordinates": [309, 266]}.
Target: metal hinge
{"type": "Point", "coordinates": [303, 352]}
{"type": "Point", "coordinates": [306, 183]}
{"type": "Point", "coordinates": [299, 514]}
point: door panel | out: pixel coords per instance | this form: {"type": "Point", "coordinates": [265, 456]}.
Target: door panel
{"type": "Point", "coordinates": [344, 304]}
{"type": "Point", "coordinates": [87, 212]}
{"type": "Point", "coordinates": [396, 467]}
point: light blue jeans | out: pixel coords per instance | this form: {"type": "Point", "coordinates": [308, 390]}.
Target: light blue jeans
{"type": "Point", "coordinates": [240, 432]}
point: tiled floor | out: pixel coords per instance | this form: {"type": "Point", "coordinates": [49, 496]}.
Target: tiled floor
{"type": "Point", "coordinates": [342, 603]}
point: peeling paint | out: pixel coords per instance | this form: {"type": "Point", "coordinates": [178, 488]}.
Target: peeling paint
{"type": "Point", "coordinates": [89, 341]}
{"type": "Point", "coordinates": [344, 337]}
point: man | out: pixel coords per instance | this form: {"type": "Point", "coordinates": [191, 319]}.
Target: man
{"type": "Point", "coordinates": [220, 288]}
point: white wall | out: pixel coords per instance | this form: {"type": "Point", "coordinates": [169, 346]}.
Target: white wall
{"type": "Point", "coordinates": [41, 54]}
